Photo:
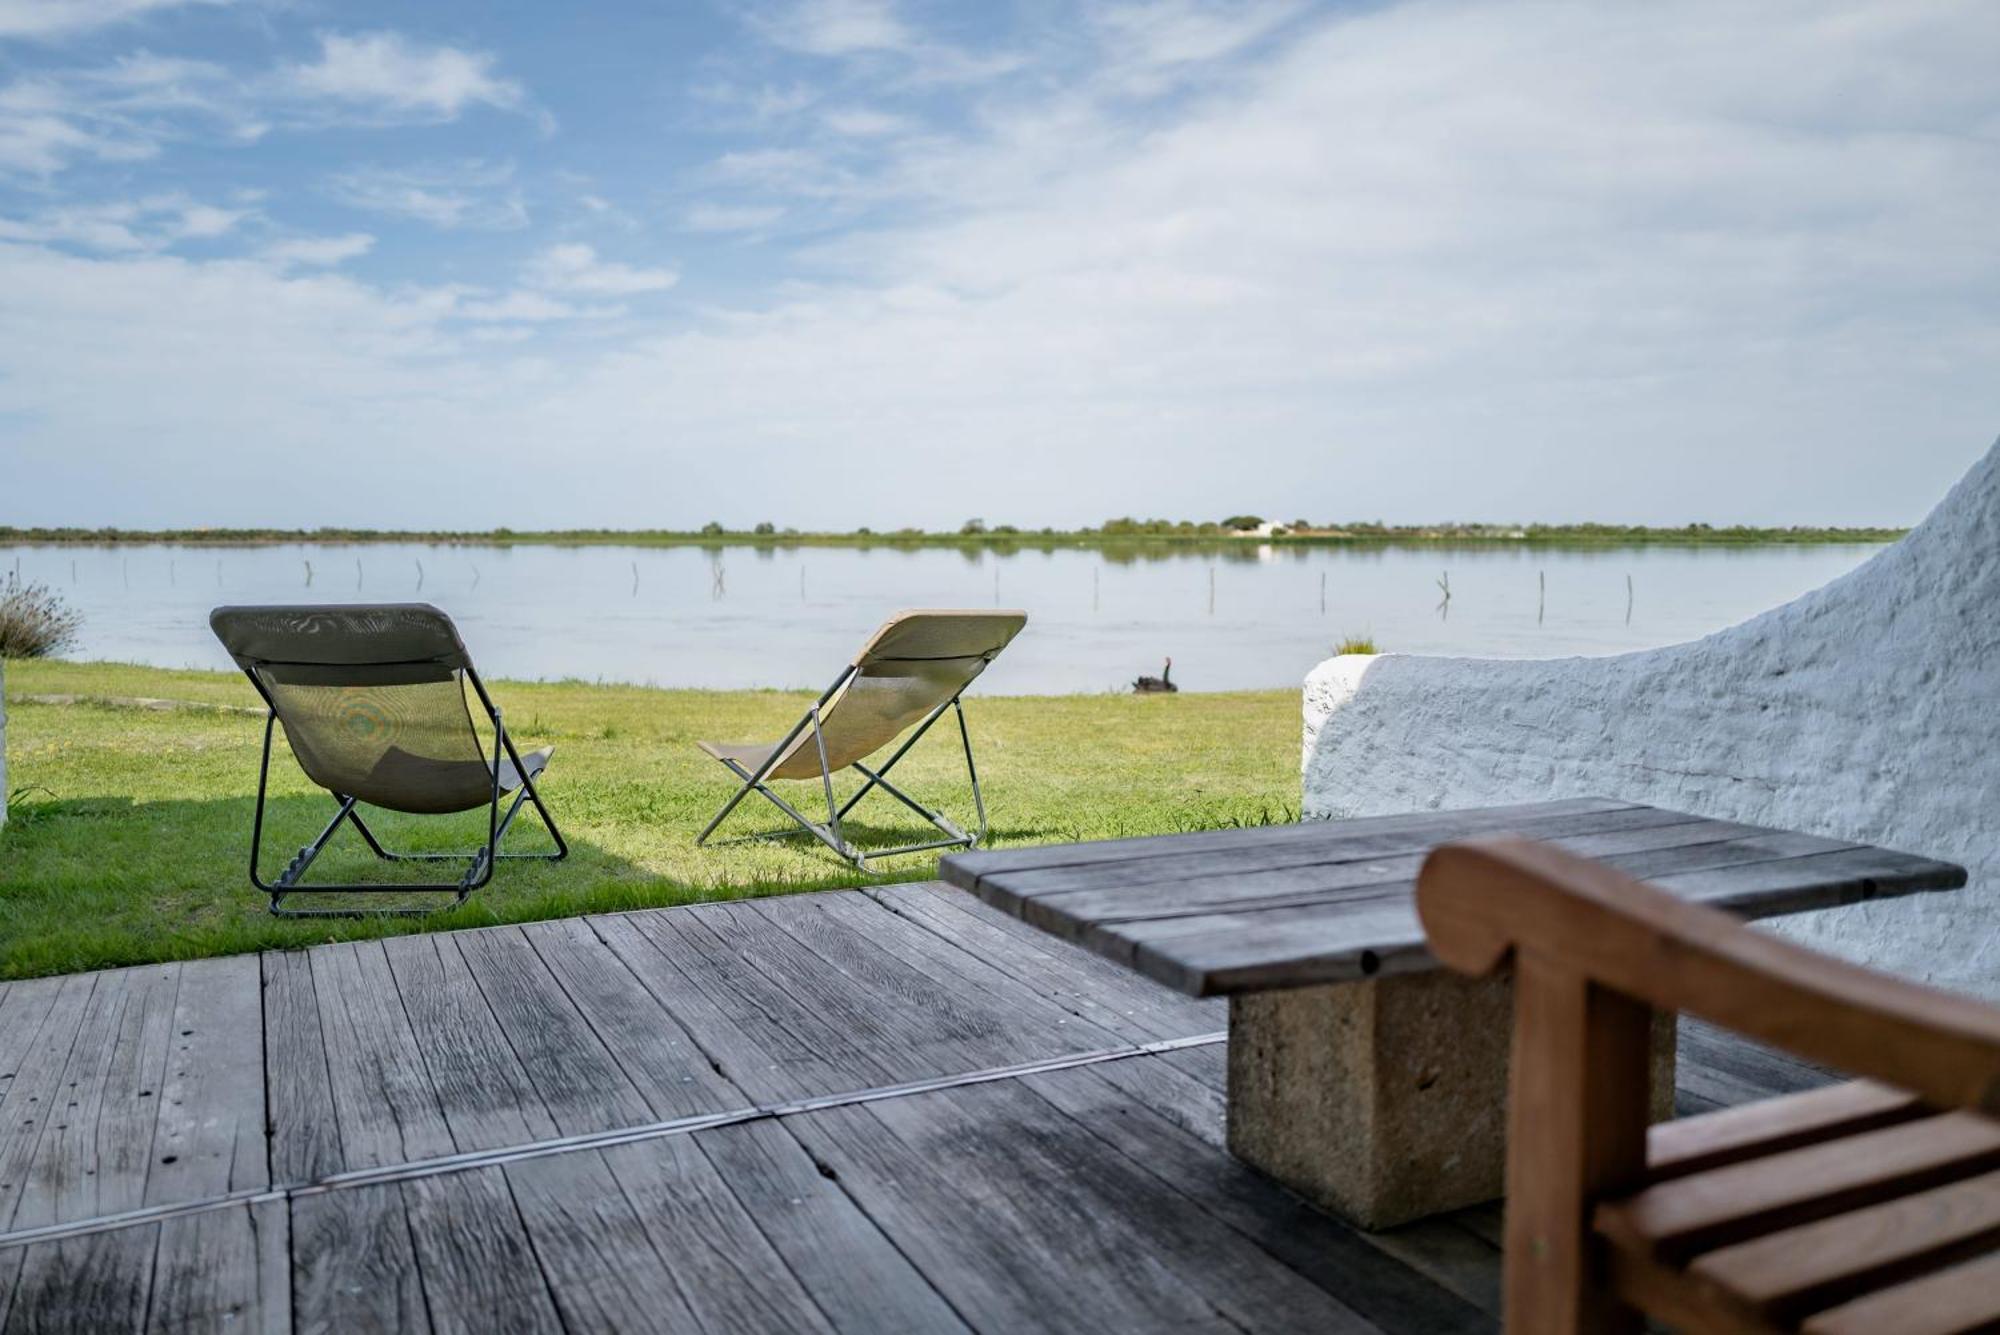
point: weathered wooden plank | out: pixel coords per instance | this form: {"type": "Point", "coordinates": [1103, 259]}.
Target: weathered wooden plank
{"type": "Point", "coordinates": [1134, 901]}
{"type": "Point", "coordinates": [939, 1011]}
{"type": "Point", "coordinates": [695, 979]}
{"type": "Point", "coordinates": [63, 1179]}
{"type": "Point", "coordinates": [38, 1102]}
{"type": "Point", "coordinates": [886, 1035]}
{"type": "Point", "coordinates": [656, 1053]}
{"type": "Point", "coordinates": [10, 1270]}
{"type": "Point", "coordinates": [354, 1263]}
{"type": "Point", "coordinates": [95, 1282]}
{"type": "Point", "coordinates": [855, 1274]}
{"type": "Point", "coordinates": [479, 1269]}
{"type": "Point", "coordinates": [1357, 936]}
{"type": "Point", "coordinates": [135, 1095]}
{"type": "Point", "coordinates": [1074, 979]}
{"type": "Point", "coordinates": [22, 1012]}
{"type": "Point", "coordinates": [1146, 1111]}
{"type": "Point", "coordinates": [486, 1097]}
{"type": "Point", "coordinates": [602, 1268]}
{"type": "Point", "coordinates": [577, 1077]}
{"type": "Point", "coordinates": [1211, 877]}
{"type": "Point", "coordinates": [210, 1138]}
{"type": "Point", "coordinates": [965, 870]}
{"type": "Point", "coordinates": [733, 1279]}
{"type": "Point", "coordinates": [1817, 881]}
{"type": "Point", "coordinates": [381, 1084]}
{"type": "Point", "coordinates": [222, 1270]}
{"type": "Point", "coordinates": [1051, 1206]}
{"type": "Point", "coordinates": [304, 1129]}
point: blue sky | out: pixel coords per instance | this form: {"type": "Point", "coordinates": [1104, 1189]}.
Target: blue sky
{"type": "Point", "coordinates": [840, 262]}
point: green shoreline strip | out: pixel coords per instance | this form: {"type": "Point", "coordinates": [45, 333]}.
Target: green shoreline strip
{"type": "Point", "coordinates": [1115, 535]}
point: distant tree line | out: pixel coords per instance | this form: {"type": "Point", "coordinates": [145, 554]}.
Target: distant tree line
{"type": "Point", "coordinates": [977, 532]}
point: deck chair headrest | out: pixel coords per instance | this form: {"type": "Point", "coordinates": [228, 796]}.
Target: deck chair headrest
{"type": "Point", "coordinates": [339, 635]}
{"type": "Point", "coordinates": [944, 634]}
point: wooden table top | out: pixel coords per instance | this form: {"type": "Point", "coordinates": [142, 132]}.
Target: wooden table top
{"type": "Point", "coordinates": [1250, 910]}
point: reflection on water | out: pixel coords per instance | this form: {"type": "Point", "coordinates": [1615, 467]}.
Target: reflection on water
{"type": "Point", "coordinates": [1239, 616]}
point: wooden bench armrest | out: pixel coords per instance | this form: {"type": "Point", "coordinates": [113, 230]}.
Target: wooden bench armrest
{"type": "Point", "coordinates": [1485, 902]}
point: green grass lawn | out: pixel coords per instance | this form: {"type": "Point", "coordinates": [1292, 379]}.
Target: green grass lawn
{"type": "Point", "coordinates": [130, 826]}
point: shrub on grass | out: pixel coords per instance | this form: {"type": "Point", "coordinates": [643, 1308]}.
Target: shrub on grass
{"type": "Point", "coordinates": [34, 621]}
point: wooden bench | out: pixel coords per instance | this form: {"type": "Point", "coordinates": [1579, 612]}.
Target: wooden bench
{"type": "Point", "coordinates": [1361, 1074]}
{"type": "Point", "coordinates": [1870, 1208]}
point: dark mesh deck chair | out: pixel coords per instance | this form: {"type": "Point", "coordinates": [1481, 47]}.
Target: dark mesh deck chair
{"type": "Point", "coordinates": [373, 701]}
{"type": "Point", "coordinates": [910, 672]}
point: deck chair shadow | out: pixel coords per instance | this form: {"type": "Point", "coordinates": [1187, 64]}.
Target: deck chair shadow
{"type": "Point", "coordinates": [373, 699]}
{"type": "Point", "coordinates": [911, 671]}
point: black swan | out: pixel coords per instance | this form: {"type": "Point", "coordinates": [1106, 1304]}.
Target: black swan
{"type": "Point", "coordinates": [1164, 683]}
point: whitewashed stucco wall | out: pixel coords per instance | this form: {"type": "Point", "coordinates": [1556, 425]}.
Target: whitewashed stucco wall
{"type": "Point", "coordinates": [1868, 709]}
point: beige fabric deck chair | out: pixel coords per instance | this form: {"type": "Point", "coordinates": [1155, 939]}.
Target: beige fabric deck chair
{"type": "Point", "coordinates": [373, 701]}
{"type": "Point", "coordinates": [910, 672]}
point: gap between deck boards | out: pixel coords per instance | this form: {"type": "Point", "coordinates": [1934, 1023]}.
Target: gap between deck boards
{"type": "Point", "coordinates": [596, 1140]}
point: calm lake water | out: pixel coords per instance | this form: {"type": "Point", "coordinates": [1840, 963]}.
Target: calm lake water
{"type": "Point", "coordinates": [749, 616]}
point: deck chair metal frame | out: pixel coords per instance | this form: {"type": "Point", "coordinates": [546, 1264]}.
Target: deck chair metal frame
{"type": "Point", "coordinates": [829, 831]}
{"type": "Point", "coordinates": [479, 862]}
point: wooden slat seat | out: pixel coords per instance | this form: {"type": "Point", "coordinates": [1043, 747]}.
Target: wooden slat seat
{"type": "Point", "coordinates": [1778, 1234]}
{"type": "Point", "coordinates": [1867, 1207]}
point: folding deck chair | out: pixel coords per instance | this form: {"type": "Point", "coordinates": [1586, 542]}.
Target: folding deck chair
{"type": "Point", "coordinates": [914, 668]}
{"type": "Point", "coordinates": [373, 700]}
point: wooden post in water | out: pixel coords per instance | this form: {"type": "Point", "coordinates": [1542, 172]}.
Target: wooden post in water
{"type": "Point", "coordinates": [1542, 595]}
{"type": "Point", "coordinates": [420, 573]}
{"type": "Point", "coordinates": [1322, 593]}
{"type": "Point", "coordinates": [1628, 599]}
{"type": "Point", "coordinates": [309, 574]}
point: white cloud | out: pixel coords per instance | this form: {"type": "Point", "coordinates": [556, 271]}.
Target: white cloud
{"type": "Point", "coordinates": [318, 252]}
{"type": "Point", "coordinates": [120, 112]}
{"type": "Point", "coordinates": [446, 195]}
{"type": "Point", "coordinates": [838, 27]}
{"type": "Point", "coordinates": [63, 18]}
{"type": "Point", "coordinates": [1149, 44]}
{"type": "Point", "coordinates": [531, 307]}
{"type": "Point", "coordinates": [731, 217]}
{"type": "Point", "coordinates": [576, 268]}
{"type": "Point", "coordinates": [388, 74]}
{"type": "Point", "coordinates": [156, 222]}
{"type": "Point", "coordinates": [128, 109]}
{"type": "Point", "coordinates": [864, 122]}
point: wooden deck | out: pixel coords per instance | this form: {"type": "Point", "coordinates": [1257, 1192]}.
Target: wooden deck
{"type": "Point", "coordinates": [892, 1110]}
